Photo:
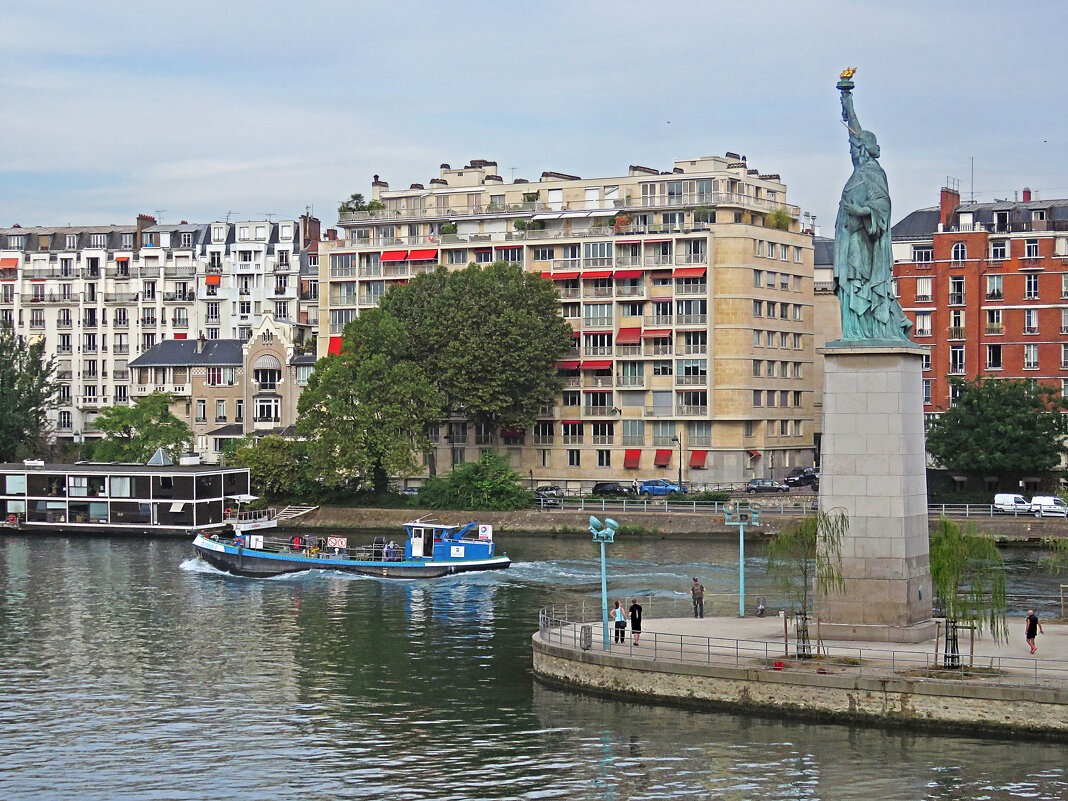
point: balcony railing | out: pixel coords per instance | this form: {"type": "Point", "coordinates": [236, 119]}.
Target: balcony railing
{"type": "Point", "coordinates": [683, 410]}
{"type": "Point", "coordinates": [993, 330]}
{"type": "Point", "coordinates": [996, 295]}
{"type": "Point", "coordinates": [597, 292]}
{"type": "Point", "coordinates": [568, 292]}
{"type": "Point", "coordinates": [120, 375]}
{"type": "Point", "coordinates": [956, 332]}
{"type": "Point", "coordinates": [659, 411]}
{"type": "Point", "coordinates": [597, 322]}
{"type": "Point", "coordinates": [662, 260]}
{"type": "Point", "coordinates": [691, 289]}
{"type": "Point", "coordinates": [598, 411]}
{"type": "Point", "coordinates": [179, 297]}
{"type": "Point", "coordinates": [183, 271]}
{"type": "Point", "coordinates": [956, 298]}
{"type": "Point", "coordinates": [630, 381]}
{"type": "Point", "coordinates": [598, 381]}
{"type": "Point", "coordinates": [691, 319]}
{"type": "Point", "coordinates": [692, 258]}
{"type": "Point", "coordinates": [657, 350]}
{"type": "Point", "coordinates": [691, 380]}
{"type": "Point", "coordinates": [658, 320]}
{"type": "Point", "coordinates": [628, 350]}
{"type": "Point", "coordinates": [631, 291]}
{"type": "Point", "coordinates": [180, 322]}
{"type": "Point", "coordinates": [120, 297]}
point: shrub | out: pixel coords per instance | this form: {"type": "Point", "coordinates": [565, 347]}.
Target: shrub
{"type": "Point", "coordinates": [488, 484]}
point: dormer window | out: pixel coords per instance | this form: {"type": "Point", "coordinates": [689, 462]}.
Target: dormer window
{"type": "Point", "coordinates": [187, 239]}
{"type": "Point", "coordinates": [242, 232]}
{"type": "Point", "coordinates": [218, 233]}
{"type": "Point", "coordinates": [16, 241]}
{"type": "Point", "coordinates": [72, 241]}
{"type": "Point", "coordinates": [1038, 215]}
{"type": "Point", "coordinates": [98, 240]}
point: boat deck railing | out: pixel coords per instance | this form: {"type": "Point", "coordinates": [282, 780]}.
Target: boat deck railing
{"type": "Point", "coordinates": [320, 548]}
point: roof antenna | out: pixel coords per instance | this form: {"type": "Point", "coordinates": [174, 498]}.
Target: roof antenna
{"type": "Point", "coordinates": [269, 215]}
{"type": "Point", "coordinates": [973, 179]}
{"type": "Point", "coordinates": [230, 214]}
{"type": "Point", "coordinates": [159, 216]}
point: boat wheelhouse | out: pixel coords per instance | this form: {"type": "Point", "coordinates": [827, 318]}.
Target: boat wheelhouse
{"type": "Point", "coordinates": [119, 498]}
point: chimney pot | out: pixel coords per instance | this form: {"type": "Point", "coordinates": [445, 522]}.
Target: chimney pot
{"type": "Point", "coordinates": [1026, 194]}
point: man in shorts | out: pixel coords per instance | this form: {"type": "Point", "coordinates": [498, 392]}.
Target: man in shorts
{"type": "Point", "coordinates": [635, 613]}
{"type": "Point", "coordinates": [1032, 628]}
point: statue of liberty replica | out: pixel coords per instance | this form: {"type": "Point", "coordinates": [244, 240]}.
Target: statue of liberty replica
{"type": "Point", "coordinates": [863, 262]}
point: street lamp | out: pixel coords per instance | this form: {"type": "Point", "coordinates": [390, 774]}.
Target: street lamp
{"type": "Point", "coordinates": [602, 533]}
{"type": "Point", "coordinates": [737, 516]}
{"type": "Point", "coordinates": [675, 440]}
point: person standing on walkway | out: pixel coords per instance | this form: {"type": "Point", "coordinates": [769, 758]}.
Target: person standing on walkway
{"type": "Point", "coordinates": [1032, 628]}
{"type": "Point", "coordinates": [635, 614]}
{"type": "Point", "coordinates": [697, 592]}
{"type": "Point", "coordinates": [620, 616]}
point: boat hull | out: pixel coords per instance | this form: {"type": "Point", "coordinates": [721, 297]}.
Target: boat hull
{"type": "Point", "coordinates": [259, 564]}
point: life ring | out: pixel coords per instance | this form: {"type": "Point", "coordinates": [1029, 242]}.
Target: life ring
{"type": "Point", "coordinates": [228, 513]}
{"type": "Point", "coordinates": [12, 519]}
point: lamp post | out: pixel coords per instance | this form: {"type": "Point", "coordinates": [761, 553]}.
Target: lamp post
{"type": "Point", "coordinates": [737, 517]}
{"type": "Point", "coordinates": [675, 439]}
{"type": "Point", "coordinates": [603, 533]}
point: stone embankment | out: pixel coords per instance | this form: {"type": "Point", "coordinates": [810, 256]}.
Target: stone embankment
{"type": "Point", "coordinates": [674, 523]}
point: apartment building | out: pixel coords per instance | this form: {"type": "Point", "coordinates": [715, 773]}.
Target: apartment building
{"type": "Point", "coordinates": [101, 295]}
{"type": "Point", "coordinates": [693, 317]}
{"type": "Point", "coordinates": [986, 287]}
{"type": "Point", "coordinates": [228, 388]}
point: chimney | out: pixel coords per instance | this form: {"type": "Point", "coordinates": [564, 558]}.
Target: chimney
{"type": "Point", "coordinates": [201, 342]}
{"type": "Point", "coordinates": [947, 206]}
{"type": "Point", "coordinates": [1026, 194]}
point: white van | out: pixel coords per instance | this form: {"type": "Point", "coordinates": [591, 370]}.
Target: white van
{"type": "Point", "coordinates": [1048, 506]}
{"type": "Point", "coordinates": [1011, 503]}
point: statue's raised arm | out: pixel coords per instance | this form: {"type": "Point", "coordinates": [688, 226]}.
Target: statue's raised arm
{"type": "Point", "coordinates": [849, 115]}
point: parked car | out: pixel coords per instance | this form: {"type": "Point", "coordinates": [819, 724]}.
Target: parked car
{"type": "Point", "coordinates": [803, 477]}
{"type": "Point", "coordinates": [549, 495]}
{"type": "Point", "coordinates": [658, 486]}
{"type": "Point", "coordinates": [765, 485]}
{"type": "Point", "coordinates": [1011, 503]}
{"type": "Point", "coordinates": [1048, 506]}
{"type": "Point", "coordinates": [611, 489]}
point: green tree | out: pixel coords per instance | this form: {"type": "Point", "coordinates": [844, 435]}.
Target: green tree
{"type": "Point", "coordinates": [134, 433]}
{"type": "Point", "coordinates": [366, 411]}
{"type": "Point", "coordinates": [490, 338]}
{"type": "Point", "coordinates": [356, 202]}
{"type": "Point", "coordinates": [276, 465]}
{"type": "Point", "coordinates": [488, 484]}
{"type": "Point", "coordinates": [999, 428]}
{"type": "Point", "coordinates": [28, 391]}
{"type": "Point", "coordinates": [968, 575]}
{"type": "Point", "coordinates": [805, 559]}
{"type": "Point", "coordinates": [779, 218]}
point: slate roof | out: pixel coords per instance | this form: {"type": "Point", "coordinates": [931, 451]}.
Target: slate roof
{"type": "Point", "coordinates": [823, 251]}
{"type": "Point", "coordinates": [183, 353]}
{"type": "Point", "coordinates": [229, 430]}
{"type": "Point", "coordinates": [920, 224]}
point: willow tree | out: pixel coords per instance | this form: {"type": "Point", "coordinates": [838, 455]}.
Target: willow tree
{"type": "Point", "coordinates": [968, 575]}
{"type": "Point", "coordinates": [28, 390]}
{"type": "Point", "coordinates": [805, 559]}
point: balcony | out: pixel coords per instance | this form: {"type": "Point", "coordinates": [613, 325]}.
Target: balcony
{"type": "Point", "coordinates": [956, 332]}
{"type": "Point", "coordinates": [683, 410]}
{"type": "Point", "coordinates": [180, 322]}
{"type": "Point", "coordinates": [628, 350]}
{"type": "Point", "coordinates": [692, 258]}
{"type": "Point", "coordinates": [370, 271]}
{"type": "Point", "coordinates": [597, 322]}
{"type": "Point", "coordinates": [631, 381]}
{"type": "Point", "coordinates": [691, 319]}
{"type": "Point", "coordinates": [568, 292]}
{"type": "Point", "coordinates": [598, 411]}
{"type": "Point", "coordinates": [370, 300]}
{"type": "Point", "coordinates": [246, 266]}
{"type": "Point", "coordinates": [657, 320]}
{"type": "Point", "coordinates": [395, 270]}
{"type": "Point", "coordinates": [630, 291]}
{"type": "Point", "coordinates": [120, 297]}
{"type": "Point", "coordinates": [121, 375]}
{"type": "Point", "coordinates": [179, 297]}
{"type": "Point", "coordinates": [956, 369]}
{"type": "Point", "coordinates": [691, 380]}
{"type": "Point", "coordinates": [598, 382]}
{"type": "Point", "coordinates": [148, 322]}
{"type": "Point", "coordinates": [344, 272]}
{"type": "Point", "coordinates": [183, 271]}
{"type": "Point", "coordinates": [148, 271]}
{"type": "Point", "coordinates": [572, 381]}
{"type": "Point", "coordinates": [1030, 263]}
{"type": "Point", "coordinates": [691, 289]}
{"type": "Point", "coordinates": [956, 298]}
{"type": "Point", "coordinates": [567, 265]}
{"type": "Point", "coordinates": [691, 350]}
{"type": "Point", "coordinates": [64, 324]}
{"type": "Point", "coordinates": [597, 292]}
{"type": "Point", "coordinates": [652, 349]}
{"type": "Point", "coordinates": [662, 260]}
{"type": "Point", "coordinates": [996, 330]}
{"type": "Point", "coordinates": [283, 290]}
{"type": "Point", "coordinates": [597, 350]}
{"type": "Point", "coordinates": [343, 300]}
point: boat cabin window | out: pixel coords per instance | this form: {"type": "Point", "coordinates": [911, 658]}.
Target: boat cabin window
{"type": "Point", "coordinates": [88, 512]}
{"type": "Point", "coordinates": [42, 484]}
{"type": "Point", "coordinates": [121, 487]}
{"type": "Point", "coordinates": [79, 486]}
{"type": "Point", "coordinates": [16, 485]}
{"type": "Point", "coordinates": [98, 486]}
{"type": "Point", "coordinates": [235, 483]}
{"type": "Point", "coordinates": [209, 486]}
{"type": "Point", "coordinates": [16, 507]}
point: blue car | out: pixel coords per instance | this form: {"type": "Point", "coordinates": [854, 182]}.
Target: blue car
{"type": "Point", "coordinates": [658, 486]}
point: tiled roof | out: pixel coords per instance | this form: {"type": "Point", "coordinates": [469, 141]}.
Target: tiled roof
{"type": "Point", "coordinates": [183, 353]}
{"type": "Point", "coordinates": [919, 224]}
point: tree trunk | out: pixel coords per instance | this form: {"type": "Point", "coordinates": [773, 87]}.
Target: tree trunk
{"type": "Point", "coordinates": [379, 479]}
{"type": "Point", "coordinates": [951, 654]}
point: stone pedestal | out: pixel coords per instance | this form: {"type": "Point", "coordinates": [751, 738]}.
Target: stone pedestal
{"type": "Point", "coordinates": [873, 468]}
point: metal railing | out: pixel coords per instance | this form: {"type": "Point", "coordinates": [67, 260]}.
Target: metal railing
{"type": "Point", "coordinates": [564, 627]}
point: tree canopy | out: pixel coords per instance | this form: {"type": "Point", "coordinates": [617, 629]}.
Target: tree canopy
{"type": "Point", "coordinates": [356, 202]}
{"type": "Point", "coordinates": [968, 574]}
{"type": "Point", "coordinates": [276, 465]}
{"type": "Point", "coordinates": [489, 483]}
{"type": "Point", "coordinates": [1000, 428]}
{"type": "Point", "coordinates": [27, 392]}
{"type": "Point", "coordinates": [479, 342]}
{"type": "Point", "coordinates": [134, 433]}
{"type": "Point", "coordinates": [806, 557]}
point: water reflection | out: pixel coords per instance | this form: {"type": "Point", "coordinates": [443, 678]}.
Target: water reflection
{"type": "Point", "coordinates": [133, 671]}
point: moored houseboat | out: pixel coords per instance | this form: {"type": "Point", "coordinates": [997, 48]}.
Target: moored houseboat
{"type": "Point", "coordinates": [120, 498]}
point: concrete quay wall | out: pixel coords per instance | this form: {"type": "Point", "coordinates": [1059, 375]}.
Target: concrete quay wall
{"type": "Point", "coordinates": [942, 705]}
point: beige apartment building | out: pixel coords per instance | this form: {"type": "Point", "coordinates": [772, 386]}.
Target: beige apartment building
{"type": "Point", "coordinates": [693, 315]}
{"type": "Point", "coordinates": [228, 388]}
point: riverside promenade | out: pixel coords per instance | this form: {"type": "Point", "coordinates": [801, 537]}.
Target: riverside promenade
{"type": "Point", "coordinates": [744, 664]}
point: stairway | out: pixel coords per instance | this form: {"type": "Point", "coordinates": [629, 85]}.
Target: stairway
{"type": "Point", "coordinates": [292, 512]}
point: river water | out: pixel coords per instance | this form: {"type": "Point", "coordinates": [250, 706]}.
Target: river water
{"type": "Point", "coordinates": [131, 670]}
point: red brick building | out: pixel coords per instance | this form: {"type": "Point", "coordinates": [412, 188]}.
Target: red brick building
{"type": "Point", "coordinates": [986, 287]}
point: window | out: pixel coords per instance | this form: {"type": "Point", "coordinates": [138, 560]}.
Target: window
{"type": "Point", "coordinates": [784, 252]}
{"type": "Point", "coordinates": [959, 252]}
{"type": "Point", "coordinates": [633, 432]}
{"type": "Point", "coordinates": [1031, 357]}
{"type": "Point", "coordinates": [994, 287]}
{"type": "Point", "coordinates": [304, 372]}
{"type": "Point", "coordinates": [483, 256]}
{"type": "Point", "coordinates": [1030, 286]}
{"type": "Point", "coordinates": [922, 254]}
{"type": "Point", "coordinates": [1064, 322]}
{"type": "Point", "coordinates": [758, 367]}
{"type": "Point", "coordinates": [543, 253]}
{"type": "Point", "coordinates": [574, 457]}
{"type": "Point", "coordinates": [662, 368]}
{"type": "Point", "coordinates": [758, 397]}
{"type": "Point", "coordinates": [956, 290]}
{"type": "Point", "coordinates": [1030, 321]}
{"type": "Point", "coordinates": [797, 312]}
{"type": "Point", "coordinates": [956, 360]}
{"type": "Point", "coordinates": [604, 458]}
{"type": "Point", "coordinates": [923, 288]}
{"type": "Point", "coordinates": [1031, 249]}
{"type": "Point", "coordinates": [758, 338]}
{"type": "Point", "coordinates": [993, 357]}
{"type": "Point", "coordinates": [925, 361]}
{"type": "Point", "coordinates": [267, 410]}
{"type": "Point", "coordinates": [923, 324]}
{"type": "Point", "coordinates": [998, 250]}
{"type": "Point", "coordinates": [758, 278]}
{"type": "Point", "coordinates": [1064, 285]}
{"type": "Point", "coordinates": [1064, 356]}
{"type": "Point", "coordinates": [993, 321]}
{"type": "Point", "coordinates": [927, 392]}
{"type": "Point", "coordinates": [220, 411]}
{"type": "Point", "coordinates": [202, 410]}
{"type": "Point", "coordinates": [758, 308]}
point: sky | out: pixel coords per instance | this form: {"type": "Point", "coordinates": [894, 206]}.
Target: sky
{"type": "Point", "coordinates": [199, 109]}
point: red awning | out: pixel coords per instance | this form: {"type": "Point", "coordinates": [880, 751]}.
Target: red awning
{"type": "Point", "coordinates": [423, 254]}
{"type": "Point", "coordinates": [596, 365]}
{"type": "Point", "coordinates": [122, 258]}
{"type": "Point", "coordinates": [567, 365]}
{"type": "Point", "coordinates": [546, 275]}
{"type": "Point", "coordinates": [652, 241]}
{"type": "Point", "coordinates": [660, 274]}
{"type": "Point", "coordinates": [628, 273]}
{"type": "Point", "coordinates": [571, 422]}
{"type": "Point", "coordinates": [689, 272]}
{"type": "Point", "coordinates": [663, 457]}
{"type": "Point", "coordinates": [212, 280]}
{"type": "Point", "coordinates": [335, 346]}
{"type": "Point", "coordinates": [394, 255]}
{"type": "Point", "coordinates": [657, 333]}
{"type": "Point", "coordinates": [697, 458]}
{"type": "Point", "coordinates": [754, 454]}
{"type": "Point", "coordinates": [508, 247]}
{"type": "Point", "coordinates": [628, 241]}
{"type": "Point", "coordinates": [597, 274]}
{"type": "Point", "coordinates": [564, 276]}
{"type": "Point", "coordinates": [180, 336]}
{"type": "Point", "coordinates": [631, 458]}
{"type": "Point", "coordinates": [576, 334]}
{"type": "Point", "coordinates": [8, 264]}
{"type": "Point", "coordinates": [629, 336]}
